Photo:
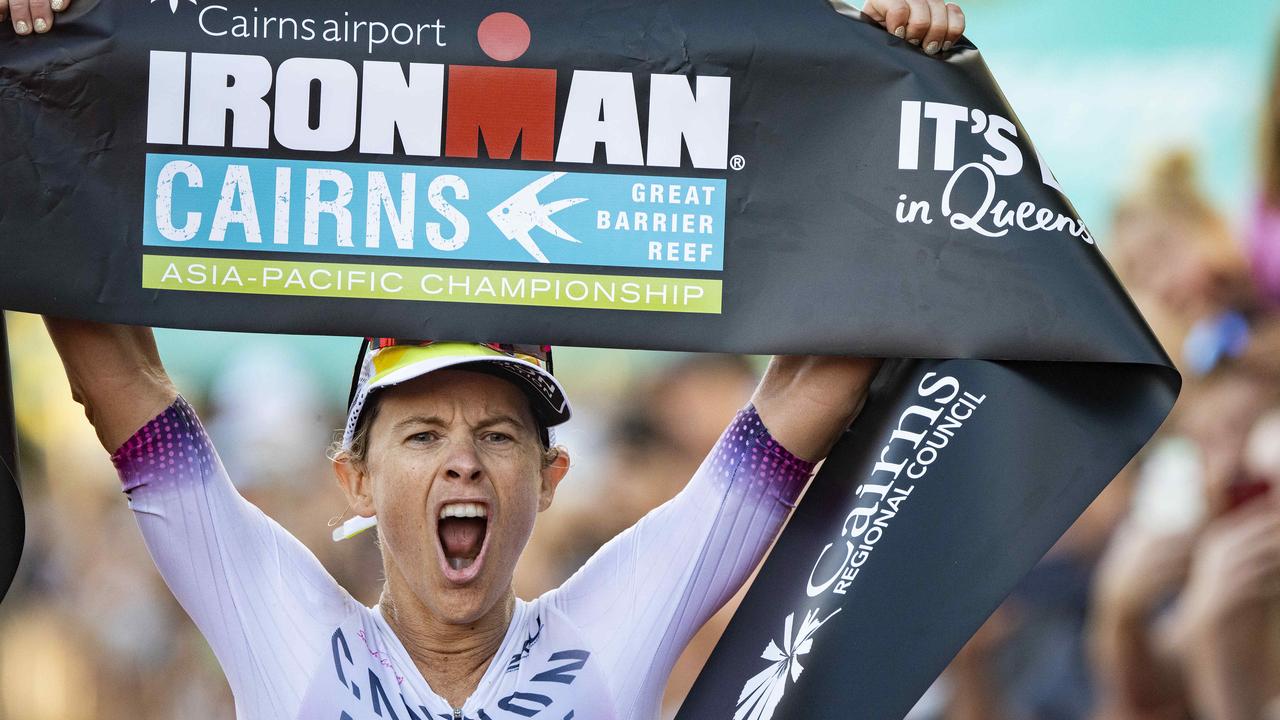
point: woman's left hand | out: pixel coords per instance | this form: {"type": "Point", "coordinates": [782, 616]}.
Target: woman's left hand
{"type": "Point", "coordinates": [933, 24]}
{"type": "Point", "coordinates": [808, 401]}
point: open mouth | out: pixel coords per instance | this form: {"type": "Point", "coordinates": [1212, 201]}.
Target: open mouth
{"type": "Point", "coordinates": [462, 528]}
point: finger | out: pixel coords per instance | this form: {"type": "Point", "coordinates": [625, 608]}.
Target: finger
{"type": "Point", "coordinates": [1252, 520]}
{"type": "Point", "coordinates": [937, 27]}
{"type": "Point", "coordinates": [4, 9]}
{"type": "Point", "coordinates": [955, 26]}
{"type": "Point", "coordinates": [1258, 558]}
{"type": "Point", "coordinates": [1260, 526]}
{"type": "Point", "coordinates": [873, 10]}
{"type": "Point", "coordinates": [896, 15]}
{"type": "Point", "coordinates": [1260, 581]}
{"type": "Point", "coordinates": [920, 21]}
{"type": "Point", "coordinates": [1255, 560]}
{"type": "Point", "coordinates": [20, 14]}
{"type": "Point", "coordinates": [41, 16]}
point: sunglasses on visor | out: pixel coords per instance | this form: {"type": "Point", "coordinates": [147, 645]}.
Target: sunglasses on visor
{"type": "Point", "coordinates": [539, 355]}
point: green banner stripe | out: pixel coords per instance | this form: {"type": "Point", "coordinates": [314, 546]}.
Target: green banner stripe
{"type": "Point", "coordinates": [431, 284]}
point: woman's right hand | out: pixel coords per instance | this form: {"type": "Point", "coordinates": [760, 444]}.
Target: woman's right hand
{"type": "Point", "coordinates": [30, 16]}
{"type": "Point", "coordinates": [115, 373]}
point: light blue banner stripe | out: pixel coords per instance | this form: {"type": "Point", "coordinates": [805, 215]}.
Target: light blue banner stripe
{"type": "Point", "coordinates": [428, 212]}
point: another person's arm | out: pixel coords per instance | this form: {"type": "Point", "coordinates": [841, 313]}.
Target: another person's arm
{"type": "Point", "coordinates": [976, 693]}
{"type": "Point", "coordinates": [1224, 614]}
{"type": "Point", "coordinates": [260, 598]}
{"type": "Point", "coordinates": [1137, 678]}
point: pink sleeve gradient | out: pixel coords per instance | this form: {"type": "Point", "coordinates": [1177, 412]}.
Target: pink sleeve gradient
{"type": "Point", "coordinates": [1264, 249]}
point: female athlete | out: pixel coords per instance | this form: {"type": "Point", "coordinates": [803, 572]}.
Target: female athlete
{"type": "Point", "coordinates": [448, 446]}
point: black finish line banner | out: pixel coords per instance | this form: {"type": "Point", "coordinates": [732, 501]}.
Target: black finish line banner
{"type": "Point", "coordinates": [746, 176]}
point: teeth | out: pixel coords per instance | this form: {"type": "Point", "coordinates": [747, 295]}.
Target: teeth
{"type": "Point", "coordinates": [458, 563]}
{"type": "Point", "coordinates": [463, 510]}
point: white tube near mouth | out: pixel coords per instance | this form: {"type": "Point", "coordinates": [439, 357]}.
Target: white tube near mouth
{"type": "Point", "coordinates": [353, 527]}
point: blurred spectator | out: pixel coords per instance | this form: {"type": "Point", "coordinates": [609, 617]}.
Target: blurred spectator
{"type": "Point", "coordinates": [1183, 622]}
{"type": "Point", "coordinates": [268, 418]}
{"type": "Point", "coordinates": [1125, 618]}
{"type": "Point", "coordinates": [1183, 613]}
{"type": "Point", "coordinates": [1029, 661]}
{"type": "Point", "coordinates": [1228, 622]}
{"type": "Point", "coordinates": [1176, 255]}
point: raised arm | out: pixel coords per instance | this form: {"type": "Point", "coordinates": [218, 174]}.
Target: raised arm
{"type": "Point", "coordinates": [115, 373]}
{"type": "Point", "coordinates": [1224, 619]}
{"type": "Point", "coordinates": [259, 597]}
{"type": "Point", "coordinates": [642, 596]}
{"type": "Point", "coordinates": [807, 401]}
{"type": "Point", "coordinates": [1136, 674]}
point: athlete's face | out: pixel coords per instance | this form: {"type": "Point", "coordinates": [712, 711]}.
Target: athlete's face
{"type": "Point", "coordinates": [454, 472]}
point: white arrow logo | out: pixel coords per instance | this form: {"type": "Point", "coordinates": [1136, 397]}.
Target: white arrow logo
{"type": "Point", "coordinates": [519, 214]}
{"type": "Point", "coordinates": [762, 693]}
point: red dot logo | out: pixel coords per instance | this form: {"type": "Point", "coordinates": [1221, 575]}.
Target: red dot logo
{"type": "Point", "coordinates": [504, 36]}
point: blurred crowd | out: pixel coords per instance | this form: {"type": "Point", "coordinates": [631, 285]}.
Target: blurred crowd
{"type": "Point", "coordinates": [1162, 601]}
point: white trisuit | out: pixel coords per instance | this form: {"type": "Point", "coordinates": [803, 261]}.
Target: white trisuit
{"type": "Point", "coordinates": [294, 644]}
